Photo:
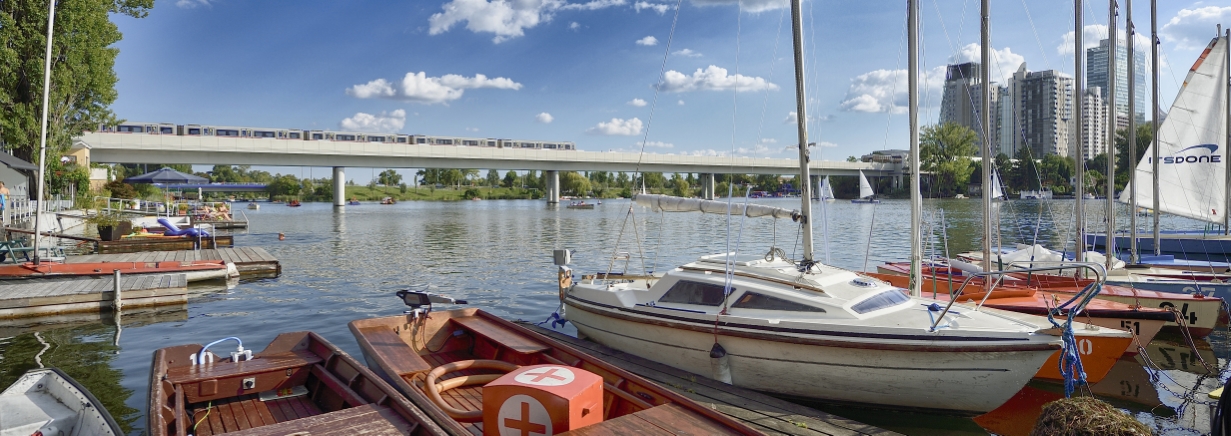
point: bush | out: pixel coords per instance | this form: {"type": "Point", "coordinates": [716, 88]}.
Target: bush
{"type": "Point", "coordinates": [120, 189]}
{"type": "Point", "coordinates": [471, 193]}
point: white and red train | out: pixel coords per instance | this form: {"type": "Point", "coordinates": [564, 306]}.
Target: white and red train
{"type": "Point", "coordinates": [328, 135]}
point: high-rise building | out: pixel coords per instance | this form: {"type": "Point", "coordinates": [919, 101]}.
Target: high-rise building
{"type": "Point", "coordinates": [1097, 76]}
{"type": "Point", "coordinates": [963, 98]}
{"type": "Point", "coordinates": [1042, 106]}
{"type": "Point", "coordinates": [1094, 114]}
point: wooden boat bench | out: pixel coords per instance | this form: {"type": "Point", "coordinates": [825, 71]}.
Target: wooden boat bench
{"type": "Point", "coordinates": [485, 328]}
{"type": "Point", "coordinates": [217, 380]}
{"type": "Point", "coordinates": [392, 349]}
{"type": "Point", "coordinates": [666, 419]}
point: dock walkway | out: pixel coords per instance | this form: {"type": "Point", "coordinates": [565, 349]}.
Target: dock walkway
{"type": "Point", "coordinates": [42, 297]}
{"type": "Point", "coordinates": [765, 413]}
{"type": "Point", "coordinates": [248, 260]}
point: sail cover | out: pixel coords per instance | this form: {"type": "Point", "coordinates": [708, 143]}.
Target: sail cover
{"type": "Point", "coordinates": [669, 203]}
{"type": "Point", "coordinates": [1192, 145]}
{"type": "Point", "coordinates": [865, 188]}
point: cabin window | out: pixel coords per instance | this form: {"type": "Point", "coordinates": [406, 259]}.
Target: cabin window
{"type": "Point", "coordinates": [421, 140]}
{"type": "Point", "coordinates": [263, 134]}
{"type": "Point", "coordinates": [753, 300]}
{"type": "Point", "coordinates": [892, 297]}
{"type": "Point", "coordinates": [687, 292]}
{"type": "Point", "coordinates": [129, 129]}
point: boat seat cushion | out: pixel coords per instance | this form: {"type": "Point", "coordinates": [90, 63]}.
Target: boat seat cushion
{"type": "Point", "coordinates": [393, 351]}
{"type": "Point", "coordinates": [501, 335]}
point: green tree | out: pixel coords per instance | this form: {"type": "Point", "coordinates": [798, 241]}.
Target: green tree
{"type": "Point", "coordinates": [283, 185]}
{"type": "Point", "coordinates": [767, 182]}
{"type": "Point", "coordinates": [945, 151]}
{"type": "Point", "coordinates": [852, 159]}
{"type": "Point", "coordinates": [493, 178]}
{"type": "Point", "coordinates": [82, 70]}
{"type": "Point", "coordinates": [577, 184]}
{"type": "Point", "coordinates": [679, 186]}
{"type": "Point", "coordinates": [389, 178]}
{"type": "Point", "coordinates": [1024, 174]}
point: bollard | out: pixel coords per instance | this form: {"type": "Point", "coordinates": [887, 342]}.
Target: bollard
{"type": "Point", "coordinates": [115, 303]}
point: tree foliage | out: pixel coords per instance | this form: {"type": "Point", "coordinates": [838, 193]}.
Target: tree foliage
{"type": "Point", "coordinates": [572, 182]}
{"type": "Point", "coordinates": [945, 150]}
{"type": "Point", "coordinates": [389, 178]}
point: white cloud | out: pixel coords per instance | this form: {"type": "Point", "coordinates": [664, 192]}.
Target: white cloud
{"type": "Point", "coordinates": [753, 6]}
{"type": "Point", "coordinates": [574, 25]}
{"type": "Point", "coordinates": [417, 87]}
{"type": "Point", "coordinates": [792, 117]}
{"type": "Point", "coordinates": [1004, 61]}
{"type": "Point", "coordinates": [637, 102]}
{"type": "Point", "coordinates": [656, 7]}
{"type": "Point", "coordinates": [544, 117]}
{"type": "Point", "coordinates": [688, 53]}
{"type": "Point", "coordinates": [886, 90]}
{"type": "Point", "coordinates": [472, 129]}
{"type": "Point", "coordinates": [680, 103]}
{"type": "Point", "coordinates": [648, 41]}
{"type": "Point", "coordinates": [1194, 28]}
{"type": "Point", "coordinates": [189, 4]}
{"type": "Point", "coordinates": [712, 78]}
{"type": "Point", "coordinates": [383, 123]}
{"type": "Point", "coordinates": [654, 144]}
{"type": "Point", "coordinates": [1092, 34]}
{"type": "Point", "coordinates": [826, 144]}
{"type": "Point", "coordinates": [504, 18]}
{"type": "Point", "coordinates": [617, 127]}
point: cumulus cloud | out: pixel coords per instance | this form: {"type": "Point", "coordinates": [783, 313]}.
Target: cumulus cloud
{"type": "Point", "coordinates": [1004, 61]}
{"type": "Point", "coordinates": [617, 127]}
{"type": "Point", "coordinates": [544, 117]}
{"type": "Point", "coordinates": [712, 78]}
{"type": "Point", "coordinates": [656, 7]}
{"type": "Point", "coordinates": [189, 4]}
{"type": "Point", "coordinates": [505, 19]}
{"type": "Point", "coordinates": [1092, 34]}
{"type": "Point", "coordinates": [648, 41]}
{"type": "Point", "coordinates": [753, 6]}
{"type": "Point", "coordinates": [1194, 28]}
{"type": "Point", "coordinates": [654, 144]}
{"type": "Point", "coordinates": [681, 102]}
{"type": "Point", "coordinates": [886, 90]}
{"type": "Point", "coordinates": [688, 53]}
{"type": "Point", "coordinates": [386, 122]}
{"type": "Point", "coordinates": [417, 87]}
{"type": "Point", "coordinates": [574, 25]}
{"type": "Point", "coordinates": [637, 102]}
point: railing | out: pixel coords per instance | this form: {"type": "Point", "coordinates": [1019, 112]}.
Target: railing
{"type": "Point", "coordinates": [1100, 274]}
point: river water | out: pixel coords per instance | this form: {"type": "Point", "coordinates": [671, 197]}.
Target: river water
{"type": "Point", "coordinates": [343, 265]}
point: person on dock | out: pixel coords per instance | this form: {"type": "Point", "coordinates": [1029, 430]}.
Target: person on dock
{"type": "Point", "coordinates": [4, 201]}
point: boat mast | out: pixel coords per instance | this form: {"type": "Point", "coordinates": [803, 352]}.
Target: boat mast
{"type": "Point", "coordinates": [1226, 226]}
{"type": "Point", "coordinates": [1079, 99]}
{"type": "Point", "coordinates": [1130, 30]}
{"type": "Point", "coordinates": [1154, 42]}
{"type": "Point", "coordinates": [916, 199]}
{"type": "Point", "coordinates": [984, 109]}
{"type": "Point", "coordinates": [42, 145]}
{"type": "Point", "coordinates": [1110, 240]}
{"type": "Point", "coordinates": [805, 192]}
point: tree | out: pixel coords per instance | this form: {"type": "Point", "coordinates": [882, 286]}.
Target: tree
{"type": "Point", "coordinates": [575, 183]}
{"type": "Point", "coordinates": [945, 150]}
{"type": "Point", "coordinates": [510, 179]}
{"type": "Point", "coordinates": [679, 186]}
{"type": "Point", "coordinates": [389, 178]}
{"type": "Point", "coordinates": [82, 77]}
{"type": "Point", "coordinates": [283, 185]}
{"type": "Point", "coordinates": [493, 178]}
{"type": "Point", "coordinates": [852, 159]}
{"type": "Point", "coordinates": [1024, 175]}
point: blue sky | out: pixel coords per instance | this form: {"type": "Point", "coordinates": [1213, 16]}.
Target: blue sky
{"type": "Point", "coordinates": [589, 71]}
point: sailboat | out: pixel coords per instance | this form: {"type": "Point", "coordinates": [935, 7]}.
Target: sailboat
{"type": "Point", "coordinates": [997, 189]}
{"type": "Point", "coordinates": [799, 328]}
{"type": "Point", "coordinates": [866, 194]}
{"type": "Point", "coordinates": [1192, 150]}
{"type": "Point", "coordinates": [826, 191]}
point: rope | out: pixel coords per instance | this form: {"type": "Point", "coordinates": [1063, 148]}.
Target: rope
{"type": "Point", "coordinates": [1070, 356]}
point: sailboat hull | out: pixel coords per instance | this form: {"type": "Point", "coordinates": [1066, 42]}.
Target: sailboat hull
{"type": "Point", "coordinates": [1196, 245]}
{"type": "Point", "coordinates": [865, 201]}
{"type": "Point", "coordinates": [958, 380]}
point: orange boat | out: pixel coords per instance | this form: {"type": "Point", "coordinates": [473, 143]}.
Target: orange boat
{"type": "Point", "coordinates": [196, 270]}
{"type": "Point", "coordinates": [1099, 347]}
{"type": "Point", "coordinates": [1199, 313]}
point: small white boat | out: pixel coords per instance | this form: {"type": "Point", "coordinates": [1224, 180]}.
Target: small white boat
{"type": "Point", "coordinates": [1042, 194]}
{"type": "Point", "coordinates": [253, 206]}
{"type": "Point", "coordinates": [825, 192]}
{"type": "Point", "coordinates": [46, 401]}
{"type": "Point", "coordinates": [866, 194]}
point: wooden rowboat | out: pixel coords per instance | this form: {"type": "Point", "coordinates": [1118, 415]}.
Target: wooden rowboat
{"type": "Point", "coordinates": [300, 384]}
{"type": "Point", "coordinates": [413, 352]}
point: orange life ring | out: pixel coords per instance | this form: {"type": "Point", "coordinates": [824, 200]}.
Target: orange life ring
{"type": "Point", "coordinates": [433, 389]}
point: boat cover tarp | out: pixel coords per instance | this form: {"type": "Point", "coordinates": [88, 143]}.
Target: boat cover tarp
{"type": "Point", "coordinates": [669, 203]}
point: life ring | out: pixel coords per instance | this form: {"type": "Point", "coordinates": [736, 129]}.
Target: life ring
{"type": "Point", "coordinates": [433, 389]}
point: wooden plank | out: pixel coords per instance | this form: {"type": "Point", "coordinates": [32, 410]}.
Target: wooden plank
{"type": "Point", "coordinates": [262, 410]}
{"type": "Point", "coordinates": [240, 415]}
{"type": "Point", "coordinates": [275, 410]}
{"type": "Point", "coordinates": [680, 420]}
{"type": "Point", "coordinates": [392, 351]}
{"type": "Point", "coordinates": [270, 362]}
{"type": "Point", "coordinates": [501, 335]}
{"type": "Point", "coordinates": [228, 418]}
{"type": "Point", "coordinates": [215, 421]}
{"type": "Point", "coordinates": [368, 419]}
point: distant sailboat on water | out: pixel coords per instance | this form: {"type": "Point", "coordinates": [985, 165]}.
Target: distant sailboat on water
{"type": "Point", "coordinates": [825, 193]}
{"type": "Point", "coordinates": [866, 194]}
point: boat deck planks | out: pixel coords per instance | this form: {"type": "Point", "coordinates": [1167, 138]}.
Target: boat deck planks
{"type": "Point", "coordinates": [39, 297]}
{"type": "Point", "coordinates": [246, 259]}
{"type": "Point", "coordinates": [765, 413]}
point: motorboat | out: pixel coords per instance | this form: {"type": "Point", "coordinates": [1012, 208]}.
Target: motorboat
{"type": "Point", "coordinates": [46, 401]}
{"type": "Point", "coordinates": [294, 203]}
{"type": "Point", "coordinates": [253, 206]}
{"type": "Point", "coordinates": [299, 384]}
{"type": "Point", "coordinates": [465, 367]}
{"type": "Point", "coordinates": [388, 200]}
{"type": "Point", "coordinates": [580, 205]}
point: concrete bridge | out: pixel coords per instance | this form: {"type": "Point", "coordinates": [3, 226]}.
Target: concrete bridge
{"type": "Point", "coordinates": [214, 150]}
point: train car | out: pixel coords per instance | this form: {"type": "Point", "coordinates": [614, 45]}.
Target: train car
{"type": "Point", "coordinates": [490, 142]}
{"type": "Point", "coordinates": [381, 137]}
{"type": "Point", "coordinates": [470, 142]}
{"type": "Point", "coordinates": [326, 135]}
{"type": "Point", "coordinates": [146, 128]}
{"type": "Point", "coordinates": [402, 138]}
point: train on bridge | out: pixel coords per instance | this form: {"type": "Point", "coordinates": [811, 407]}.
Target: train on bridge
{"type": "Point", "coordinates": [327, 135]}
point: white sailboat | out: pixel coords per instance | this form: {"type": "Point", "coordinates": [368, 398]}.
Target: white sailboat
{"type": "Point", "coordinates": [803, 329]}
{"type": "Point", "coordinates": [826, 191]}
{"type": "Point", "coordinates": [997, 189]}
{"type": "Point", "coordinates": [866, 194]}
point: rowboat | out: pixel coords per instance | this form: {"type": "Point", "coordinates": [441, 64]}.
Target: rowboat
{"type": "Point", "coordinates": [300, 384]}
{"type": "Point", "coordinates": [440, 361]}
{"type": "Point", "coordinates": [196, 270]}
{"type": "Point", "coordinates": [46, 401]}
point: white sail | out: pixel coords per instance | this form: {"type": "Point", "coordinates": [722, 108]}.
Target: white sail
{"type": "Point", "coordinates": [668, 203]}
{"type": "Point", "coordinates": [1192, 145]}
{"type": "Point", "coordinates": [865, 188]}
{"type": "Point", "coordinates": [826, 191]}
{"type": "Point", "coordinates": [997, 192]}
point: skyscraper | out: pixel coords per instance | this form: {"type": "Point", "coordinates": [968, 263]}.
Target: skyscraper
{"type": "Point", "coordinates": [1095, 120]}
{"type": "Point", "coordinates": [1042, 110]}
{"type": "Point", "coordinates": [963, 98]}
{"type": "Point", "coordinates": [1097, 76]}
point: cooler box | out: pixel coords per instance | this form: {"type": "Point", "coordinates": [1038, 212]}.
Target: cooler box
{"type": "Point", "coordinates": [542, 399]}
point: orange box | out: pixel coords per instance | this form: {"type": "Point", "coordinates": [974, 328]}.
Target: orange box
{"type": "Point", "coordinates": [542, 400]}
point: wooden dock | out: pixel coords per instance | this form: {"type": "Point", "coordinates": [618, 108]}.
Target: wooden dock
{"type": "Point", "coordinates": [136, 245]}
{"type": "Point", "coordinates": [248, 260]}
{"type": "Point", "coordinates": [46, 297]}
{"type": "Point", "coordinates": [770, 415]}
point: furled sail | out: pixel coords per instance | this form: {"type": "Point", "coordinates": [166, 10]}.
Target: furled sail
{"type": "Point", "coordinates": [1192, 145]}
{"type": "Point", "coordinates": [865, 188]}
{"type": "Point", "coordinates": [669, 203]}
{"type": "Point", "coordinates": [826, 191]}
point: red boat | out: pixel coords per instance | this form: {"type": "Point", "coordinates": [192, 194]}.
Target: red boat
{"type": "Point", "coordinates": [294, 203]}
{"type": "Point", "coordinates": [196, 270]}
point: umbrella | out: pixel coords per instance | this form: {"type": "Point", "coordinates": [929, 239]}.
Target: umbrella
{"type": "Point", "coordinates": [166, 176]}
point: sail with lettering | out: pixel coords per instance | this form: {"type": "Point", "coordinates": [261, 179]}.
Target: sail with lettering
{"type": "Point", "coordinates": [1192, 145]}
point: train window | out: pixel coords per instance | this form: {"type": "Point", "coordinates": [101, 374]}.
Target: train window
{"type": "Point", "coordinates": [421, 140]}
{"type": "Point", "coordinates": [318, 136]}
{"type": "Point", "coordinates": [549, 146]}
{"type": "Point", "coordinates": [376, 139]}
{"type": "Point", "coordinates": [167, 130]}
{"type": "Point", "coordinates": [194, 131]}
{"type": "Point", "coordinates": [470, 142]}
{"type": "Point", "coordinates": [491, 143]}
{"type": "Point", "coordinates": [401, 140]}
{"type": "Point", "coordinates": [226, 132]}
{"type": "Point", "coordinates": [344, 137]}
{"type": "Point", "coordinates": [444, 142]}
{"type": "Point", "coordinates": [293, 135]}
{"type": "Point", "coordinates": [129, 129]}
{"type": "Point", "coordinates": [263, 134]}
